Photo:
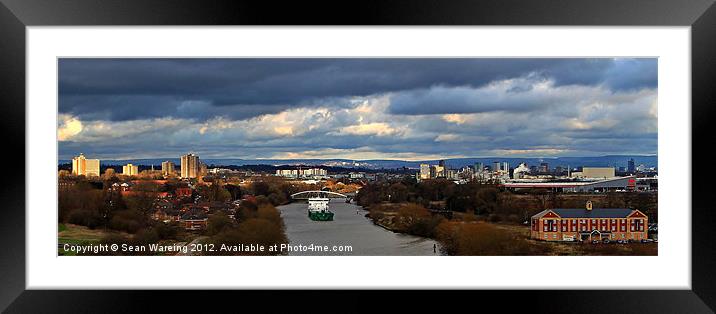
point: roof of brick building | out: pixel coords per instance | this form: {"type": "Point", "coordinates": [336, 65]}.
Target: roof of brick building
{"type": "Point", "coordinates": [584, 213]}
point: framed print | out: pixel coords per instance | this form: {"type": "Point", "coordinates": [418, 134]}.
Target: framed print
{"type": "Point", "coordinates": [523, 147]}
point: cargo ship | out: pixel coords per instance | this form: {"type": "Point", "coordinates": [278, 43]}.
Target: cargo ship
{"type": "Point", "coordinates": [318, 209]}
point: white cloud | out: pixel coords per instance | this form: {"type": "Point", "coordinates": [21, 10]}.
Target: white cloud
{"type": "Point", "coordinates": [601, 124]}
{"type": "Point", "coordinates": [455, 118]}
{"type": "Point", "coordinates": [376, 128]}
{"type": "Point", "coordinates": [68, 127]}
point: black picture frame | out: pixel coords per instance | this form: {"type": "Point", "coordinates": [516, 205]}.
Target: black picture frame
{"type": "Point", "coordinates": [15, 15]}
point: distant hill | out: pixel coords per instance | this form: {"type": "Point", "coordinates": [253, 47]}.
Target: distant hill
{"type": "Point", "coordinates": [599, 161]}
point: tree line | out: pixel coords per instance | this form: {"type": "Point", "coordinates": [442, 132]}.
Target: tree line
{"type": "Point", "coordinates": [490, 201]}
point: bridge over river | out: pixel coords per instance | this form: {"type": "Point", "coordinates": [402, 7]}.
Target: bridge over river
{"type": "Point", "coordinates": [309, 194]}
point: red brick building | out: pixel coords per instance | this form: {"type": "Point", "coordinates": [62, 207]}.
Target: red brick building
{"type": "Point", "coordinates": [588, 224]}
{"type": "Point", "coordinates": [195, 218]}
{"type": "Point", "coordinates": [182, 192]}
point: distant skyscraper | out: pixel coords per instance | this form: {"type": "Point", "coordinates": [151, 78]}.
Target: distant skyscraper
{"type": "Point", "coordinates": [437, 171]}
{"type": "Point", "coordinates": [544, 167]}
{"type": "Point", "coordinates": [203, 169]}
{"type": "Point", "coordinates": [130, 170]}
{"type": "Point", "coordinates": [424, 171]}
{"type": "Point", "coordinates": [496, 166]}
{"type": "Point", "coordinates": [189, 166]}
{"type": "Point", "coordinates": [168, 168]}
{"type": "Point", "coordinates": [82, 166]}
{"type": "Point", "coordinates": [631, 167]}
{"type": "Point", "coordinates": [505, 166]}
{"type": "Point", "coordinates": [479, 167]}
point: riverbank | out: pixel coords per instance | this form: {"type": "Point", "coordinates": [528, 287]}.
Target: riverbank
{"type": "Point", "coordinates": [467, 234]}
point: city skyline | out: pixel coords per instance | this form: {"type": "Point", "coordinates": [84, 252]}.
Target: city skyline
{"type": "Point", "coordinates": [615, 161]}
{"type": "Point", "coordinates": [357, 109]}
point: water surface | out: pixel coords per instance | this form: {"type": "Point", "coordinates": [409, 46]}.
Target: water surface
{"type": "Point", "coordinates": [349, 227]}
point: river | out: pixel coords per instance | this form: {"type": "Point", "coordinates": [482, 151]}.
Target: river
{"type": "Point", "coordinates": [351, 228]}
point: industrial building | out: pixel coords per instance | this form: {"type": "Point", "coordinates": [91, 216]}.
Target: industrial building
{"type": "Point", "coordinates": [611, 184]}
{"type": "Point", "coordinates": [647, 184]}
{"type": "Point", "coordinates": [521, 171]}
{"type": "Point", "coordinates": [595, 172]}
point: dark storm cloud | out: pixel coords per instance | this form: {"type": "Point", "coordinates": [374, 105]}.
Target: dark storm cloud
{"type": "Point", "coordinates": [437, 100]}
{"type": "Point", "coordinates": [126, 89]}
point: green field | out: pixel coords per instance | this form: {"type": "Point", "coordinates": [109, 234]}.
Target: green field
{"type": "Point", "coordinates": [75, 234]}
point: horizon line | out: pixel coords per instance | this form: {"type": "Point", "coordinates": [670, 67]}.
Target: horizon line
{"type": "Point", "coordinates": [390, 159]}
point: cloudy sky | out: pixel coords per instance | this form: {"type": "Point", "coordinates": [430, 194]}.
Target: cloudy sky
{"type": "Point", "coordinates": [409, 109]}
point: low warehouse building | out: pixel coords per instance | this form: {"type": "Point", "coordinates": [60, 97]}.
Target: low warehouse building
{"type": "Point", "coordinates": [613, 184]}
{"type": "Point", "coordinates": [595, 172]}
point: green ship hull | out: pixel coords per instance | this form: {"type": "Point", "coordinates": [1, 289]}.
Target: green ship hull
{"type": "Point", "coordinates": [321, 216]}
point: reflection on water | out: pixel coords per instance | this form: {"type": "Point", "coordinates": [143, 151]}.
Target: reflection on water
{"type": "Point", "coordinates": [349, 227]}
